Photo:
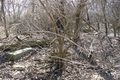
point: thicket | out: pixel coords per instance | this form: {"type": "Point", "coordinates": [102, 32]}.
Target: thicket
{"type": "Point", "coordinates": [63, 23]}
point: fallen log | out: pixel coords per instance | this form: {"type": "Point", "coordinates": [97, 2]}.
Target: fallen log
{"type": "Point", "coordinates": [23, 44]}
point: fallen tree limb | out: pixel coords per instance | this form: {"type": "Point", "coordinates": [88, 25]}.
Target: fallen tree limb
{"type": "Point", "coordinates": [23, 44]}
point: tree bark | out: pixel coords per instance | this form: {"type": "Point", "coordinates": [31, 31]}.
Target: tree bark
{"type": "Point", "coordinates": [4, 18]}
{"type": "Point", "coordinates": [104, 13]}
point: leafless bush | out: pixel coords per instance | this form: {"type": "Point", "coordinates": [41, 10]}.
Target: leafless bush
{"type": "Point", "coordinates": [80, 26]}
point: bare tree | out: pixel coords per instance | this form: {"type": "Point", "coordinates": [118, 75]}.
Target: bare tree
{"type": "Point", "coordinates": [103, 3]}
{"type": "Point", "coordinates": [4, 18]}
{"type": "Point", "coordinates": [116, 14]}
{"type": "Point", "coordinates": [69, 45]}
{"type": "Point", "coordinates": [0, 10]}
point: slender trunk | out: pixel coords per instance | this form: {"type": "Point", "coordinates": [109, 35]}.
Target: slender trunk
{"type": "Point", "coordinates": [88, 18]}
{"type": "Point", "coordinates": [105, 20]}
{"type": "Point", "coordinates": [118, 32]}
{"type": "Point", "coordinates": [33, 8]}
{"type": "Point", "coordinates": [106, 25]}
{"type": "Point", "coordinates": [4, 18]}
{"type": "Point", "coordinates": [61, 40]}
{"type": "Point", "coordinates": [77, 22]}
{"type": "Point", "coordinates": [98, 25]}
{"type": "Point", "coordinates": [114, 28]}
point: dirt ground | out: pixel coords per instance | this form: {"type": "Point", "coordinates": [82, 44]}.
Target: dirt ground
{"type": "Point", "coordinates": [37, 64]}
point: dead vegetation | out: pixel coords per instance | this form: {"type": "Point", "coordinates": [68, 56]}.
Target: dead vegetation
{"type": "Point", "coordinates": [72, 40]}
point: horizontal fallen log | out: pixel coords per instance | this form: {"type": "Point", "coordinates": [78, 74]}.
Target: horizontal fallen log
{"type": "Point", "coordinates": [23, 44]}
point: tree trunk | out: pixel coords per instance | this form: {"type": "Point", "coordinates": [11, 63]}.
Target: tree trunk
{"type": "Point", "coordinates": [4, 18]}
{"type": "Point", "coordinates": [105, 20]}
{"type": "Point", "coordinates": [114, 28]}
{"type": "Point", "coordinates": [88, 18]}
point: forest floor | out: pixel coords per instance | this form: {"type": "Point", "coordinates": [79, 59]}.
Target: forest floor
{"type": "Point", "coordinates": [37, 66]}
